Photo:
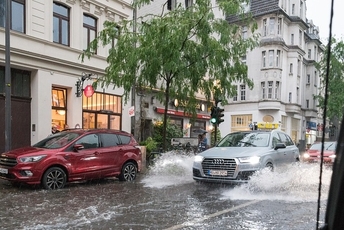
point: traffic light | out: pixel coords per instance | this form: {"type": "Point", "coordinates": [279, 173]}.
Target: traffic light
{"type": "Point", "coordinates": [219, 114]}
{"type": "Point", "coordinates": [213, 115]}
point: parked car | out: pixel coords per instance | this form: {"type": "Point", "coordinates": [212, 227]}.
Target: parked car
{"type": "Point", "coordinates": [73, 155]}
{"type": "Point", "coordinates": [240, 154]}
{"type": "Point", "coordinates": [313, 154]}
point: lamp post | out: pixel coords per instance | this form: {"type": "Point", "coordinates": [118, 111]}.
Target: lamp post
{"type": "Point", "coordinates": [8, 120]}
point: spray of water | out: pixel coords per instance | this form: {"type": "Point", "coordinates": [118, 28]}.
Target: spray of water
{"type": "Point", "coordinates": [171, 168]}
{"type": "Point", "coordinates": [297, 182]}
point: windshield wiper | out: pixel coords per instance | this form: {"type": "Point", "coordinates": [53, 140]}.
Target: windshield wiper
{"type": "Point", "coordinates": [248, 143]}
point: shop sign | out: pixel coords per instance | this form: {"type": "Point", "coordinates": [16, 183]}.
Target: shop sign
{"type": "Point", "coordinates": [88, 91]}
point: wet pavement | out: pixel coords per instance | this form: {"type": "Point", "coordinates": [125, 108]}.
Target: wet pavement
{"type": "Point", "coordinates": [166, 197]}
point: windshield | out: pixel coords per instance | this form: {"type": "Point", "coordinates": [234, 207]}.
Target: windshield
{"type": "Point", "coordinates": [245, 139]}
{"type": "Point", "coordinates": [327, 146]}
{"type": "Point", "coordinates": [56, 141]}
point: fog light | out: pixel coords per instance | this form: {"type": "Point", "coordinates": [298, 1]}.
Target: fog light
{"type": "Point", "coordinates": [26, 173]}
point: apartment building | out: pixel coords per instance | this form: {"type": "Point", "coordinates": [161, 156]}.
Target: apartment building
{"type": "Point", "coordinates": [282, 68]}
{"type": "Point", "coordinates": [50, 85]}
{"type": "Point", "coordinates": [283, 71]}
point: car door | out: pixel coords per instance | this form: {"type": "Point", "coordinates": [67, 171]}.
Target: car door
{"type": "Point", "coordinates": [86, 162]}
{"type": "Point", "coordinates": [111, 151]}
{"type": "Point", "coordinates": [280, 153]}
{"type": "Point", "coordinates": [291, 150]}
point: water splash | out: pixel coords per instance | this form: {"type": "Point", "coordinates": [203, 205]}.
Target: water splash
{"type": "Point", "coordinates": [171, 168]}
{"type": "Point", "coordinates": [293, 183]}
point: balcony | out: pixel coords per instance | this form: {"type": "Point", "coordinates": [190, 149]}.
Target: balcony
{"type": "Point", "coordinates": [292, 108]}
{"type": "Point", "coordinates": [269, 105]}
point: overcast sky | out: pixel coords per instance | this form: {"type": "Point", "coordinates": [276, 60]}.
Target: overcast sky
{"type": "Point", "coordinates": [320, 11]}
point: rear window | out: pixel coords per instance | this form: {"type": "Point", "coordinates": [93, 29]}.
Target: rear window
{"type": "Point", "coordinates": [109, 140]}
{"type": "Point", "coordinates": [124, 139]}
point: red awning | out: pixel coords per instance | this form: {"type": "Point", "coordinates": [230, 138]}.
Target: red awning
{"type": "Point", "coordinates": [181, 113]}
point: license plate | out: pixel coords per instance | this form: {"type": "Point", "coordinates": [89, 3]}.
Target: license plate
{"type": "Point", "coordinates": [5, 171]}
{"type": "Point", "coordinates": [218, 172]}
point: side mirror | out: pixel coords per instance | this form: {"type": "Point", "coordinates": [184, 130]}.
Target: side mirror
{"type": "Point", "coordinates": [78, 147]}
{"type": "Point", "coordinates": [280, 146]}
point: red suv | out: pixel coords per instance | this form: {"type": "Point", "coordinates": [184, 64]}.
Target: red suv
{"type": "Point", "coordinates": [73, 155]}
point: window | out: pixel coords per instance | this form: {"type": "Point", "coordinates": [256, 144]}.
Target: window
{"type": "Point", "coordinates": [272, 26]}
{"type": "Point", "coordinates": [235, 98]}
{"type": "Point", "coordinates": [307, 104]}
{"type": "Point", "coordinates": [109, 140]}
{"type": "Point", "coordinates": [89, 141]}
{"type": "Point", "coordinates": [20, 82]}
{"type": "Point", "coordinates": [244, 32]}
{"type": "Point", "coordinates": [264, 59]}
{"type": "Point", "coordinates": [301, 9]}
{"type": "Point", "coordinates": [279, 26]}
{"type": "Point", "coordinates": [263, 90]}
{"type": "Point", "coordinates": [242, 92]}
{"type": "Point", "coordinates": [17, 15]}
{"type": "Point", "coordinates": [292, 39]}
{"type": "Point", "coordinates": [292, 9]}
{"type": "Point", "coordinates": [188, 3]}
{"type": "Point", "coordinates": [278, 64]}
{"type": "Point", "coordinates": [61, 24]}
{"type": "Point", "coordinates": [243, 59]}
{"type": "Point", "coordinates": [300, 38]}
{"type": "Point", "coordinates": [308, 81]}
{"type": "Point", "coordinates": [240, 122]}
{"type": "Point", "coordinates": [315, 78]}
{"type": "Point", "coordinates": [291, 69]}
{"type": "Point", "coordinates": [315, 52]}
{"type": "Point", "coordinates": [297, 94]}
{"type": "Point", "coordinates": [271, 58]}
{"type": "Point", "coordinates": [309, 53]}
{"type": "Point", "coordinates": [270, 85]}
{"type": "Point", "coordinates": [125, 140]}
{"type": "Point", "coordinates": [171, 4]}
{"type": "Point", "coordinates": [89, 30]}
{"type": "Point", "coordinates": [277, 85]}
{"type": "Point", "coordinates": [298, 67]}
{"type": "Point", "coordinates": [265, 29]}
{"type": "Point", "coordinates": [290, 95]}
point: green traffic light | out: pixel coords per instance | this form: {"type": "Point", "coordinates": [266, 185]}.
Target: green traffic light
{"type": "Point", "coordinates": [213, 120]}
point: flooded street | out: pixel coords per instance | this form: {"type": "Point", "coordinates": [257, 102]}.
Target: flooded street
{"type": "Point", "coordinates": [166, 197]}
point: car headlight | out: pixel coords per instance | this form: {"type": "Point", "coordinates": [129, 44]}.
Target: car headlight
{"type": "Point", "coordinates": [198, 158]}
{"type": "Point", "coordinates": [31, 159]}
{"type": "Point", "coordinates": [250, 160]}
{"type": "Point", "coordinates": [306, 155]}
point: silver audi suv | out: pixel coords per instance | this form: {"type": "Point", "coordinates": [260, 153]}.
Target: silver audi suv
{"type": "Point", "coordinates": [240, 154]}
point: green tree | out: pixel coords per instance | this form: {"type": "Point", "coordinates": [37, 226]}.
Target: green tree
{"type": "Point", "coordinates": [179, 53]}
{"type": "Point", "coordinates": [172, 131]}
{"type": "Point", "coordinates": [335, 99]}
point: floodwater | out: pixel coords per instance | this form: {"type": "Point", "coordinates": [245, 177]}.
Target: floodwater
{"type": "Point", "coordinates": [166, 197]}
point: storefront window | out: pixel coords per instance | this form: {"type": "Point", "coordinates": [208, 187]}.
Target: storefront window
{"type": "Point", "coordinates": [58, 108]}
{"type": "Point", "coordinates": [102, 111]}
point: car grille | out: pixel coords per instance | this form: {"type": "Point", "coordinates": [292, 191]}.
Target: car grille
{"type": "Point", "coordinates": [219, 164]}
{"type": "Point", "coordinates": [9, 162]}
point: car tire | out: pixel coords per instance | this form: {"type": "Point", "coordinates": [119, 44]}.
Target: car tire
{"type": "Point", "coordinates": [128, 172]}
{"type": "Point", "coordinates": [54, 178]}
{"type": "Point", "coordinates": [269, 166]}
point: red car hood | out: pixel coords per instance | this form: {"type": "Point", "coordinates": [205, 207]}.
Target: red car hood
{"type": "Point", "coordinates": [32, 151]}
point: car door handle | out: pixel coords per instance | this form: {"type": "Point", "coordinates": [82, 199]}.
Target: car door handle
{"type": "Point", "coordinates": [96, 153]}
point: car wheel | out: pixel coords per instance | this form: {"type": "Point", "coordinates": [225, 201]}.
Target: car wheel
{"type": "Point", "coordinates": [269, 166]}
{"type": "Point", "coordinates": [128, 172]}
{"type": "Point", "coordinates": [54, 178]}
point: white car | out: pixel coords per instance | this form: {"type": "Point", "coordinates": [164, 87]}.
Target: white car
{"type": "Point", "coordinates": [238, 155]}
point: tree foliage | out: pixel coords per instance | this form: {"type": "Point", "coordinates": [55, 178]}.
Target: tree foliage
{"type": "Point", "coordinates": [335, 99]}
{"type": "Point", "coordinates": [178, 53]}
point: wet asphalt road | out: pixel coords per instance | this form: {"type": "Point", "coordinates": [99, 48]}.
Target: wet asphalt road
{"type": "Point", "coordinates": [166, 197]}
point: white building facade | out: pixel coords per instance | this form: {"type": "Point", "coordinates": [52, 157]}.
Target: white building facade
{"type": "Point", "coordinates": [46, 40]}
